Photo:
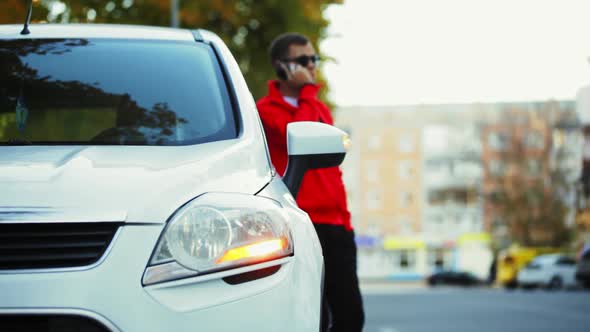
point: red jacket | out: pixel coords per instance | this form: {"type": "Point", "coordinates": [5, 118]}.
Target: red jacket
{"type": "Point", "coordinates": [322, 193]}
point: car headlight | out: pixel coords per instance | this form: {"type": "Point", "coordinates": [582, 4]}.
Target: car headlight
{"type": "Point", "coordinates": [217, 232]}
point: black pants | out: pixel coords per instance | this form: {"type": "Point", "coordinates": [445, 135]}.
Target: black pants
{"type": "Point", "coordinates": [341, 288]}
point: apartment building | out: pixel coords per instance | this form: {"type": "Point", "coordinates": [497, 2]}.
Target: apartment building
{"type": "Point", "coordinates": [405, 168]}
{"type": "Point", "coordinates": [417, 180]}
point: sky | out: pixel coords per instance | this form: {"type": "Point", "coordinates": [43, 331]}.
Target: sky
{"type": "Point", "coordinates": [393, 52]}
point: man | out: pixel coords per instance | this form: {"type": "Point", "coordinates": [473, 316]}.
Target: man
{"type": "Point", "coordinates": [293, 97]}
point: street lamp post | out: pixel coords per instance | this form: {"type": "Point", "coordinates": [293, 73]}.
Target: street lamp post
{"type": "Point", "coordinates": [174, 13]}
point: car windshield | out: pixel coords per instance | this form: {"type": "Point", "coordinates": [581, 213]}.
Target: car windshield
{"type": "Point", "coordinates": [113, 92]}
{"type": "Point", "coordinates": [533, 265]}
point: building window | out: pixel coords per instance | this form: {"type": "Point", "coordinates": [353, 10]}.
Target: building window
{"type": "Point", "coordinates": [534, 167]}
{"type": "Point", "coordinates": [435, 224]}
{"type": "Point", "coordinates": [497, 167]}
{"type": "Point", "coordinates": [373, 200]}
{"type": "Point", "coordinates": [405, 226]}
{"type": "Point", "coordinates": [372, 171]}
{"type": "Point", "coordinates": [406, 143]}
{"type": "Point", "coordinates": [374, 142]}
{"type": "Point", "coordinates": [534, 140]}
{"type": "Point", "coordinates": [407, 258]}
{"type": "Point", "coordinates": [458, 218]}
{"type": "Point", "coordinates": [436, 197]}
{"type": "Point", "coordinates": [405, 199]}
{"type": "Point", "coordinates": [498, 141]}
{"type": "Point", "coordinates": [467, 169]}
{"type": "Point", "coordinates": [476, 224]}
{"type": "Point", "coordinates": [459, 196]}
{"type": "Point", "coordinates": [373, 228]}
{"type": "Point", "coordinates": [435, 138]}
{"type": "Point", "coordinates": [499, 226]}
{"type": "Point", "coordinates": [406, 169]}
{"type": "Point", "coordinates": [436, 258]}
{"type": "Point", "coordinates": [559, 138]}
{"type": "Point", "coordinates": [497, 196]}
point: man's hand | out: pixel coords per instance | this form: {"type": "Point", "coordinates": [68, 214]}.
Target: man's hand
{"type": "Point", "coordinates": [297, 75]}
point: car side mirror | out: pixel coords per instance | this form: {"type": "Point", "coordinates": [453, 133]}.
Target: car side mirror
{"type": "Point", "coordinates": [312, 145]}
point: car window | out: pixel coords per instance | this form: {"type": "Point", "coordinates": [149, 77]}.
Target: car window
{"type": "Point", "coordinates": [544, 260]}
{"type": "Point", "coordinates": [122, 92]}
{"type": "Point", "coordinates": [566, 261]}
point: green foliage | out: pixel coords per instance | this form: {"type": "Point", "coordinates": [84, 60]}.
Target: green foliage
{"type": "Point", "coordinates": [247, 26]}
{"type": "Point", "coordinates": [15, 11]}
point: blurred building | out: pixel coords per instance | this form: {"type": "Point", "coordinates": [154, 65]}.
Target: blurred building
{"type": "Point", "coordinates": [382, 173]}
{"type": "Point", "coordinates": [452, 206]}
{"type": "Point", "coordinates": [567, 157]}
{"type": "Point", "coordinates": [415, 177]}
{"type": "Point", "coordinates": [583, 215]}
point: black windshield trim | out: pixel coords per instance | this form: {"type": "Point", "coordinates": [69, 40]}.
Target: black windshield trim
{"type": "Point", "coordinates": [229, 84]}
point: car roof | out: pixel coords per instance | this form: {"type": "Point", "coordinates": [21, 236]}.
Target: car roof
{"type": "Point", "coordinates": [111, 31]}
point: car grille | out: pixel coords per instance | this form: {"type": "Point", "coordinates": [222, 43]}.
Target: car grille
{"type": "Point", "coordinates": [53, 245]}
{"type": "Point", "coordinates": [49, 323]}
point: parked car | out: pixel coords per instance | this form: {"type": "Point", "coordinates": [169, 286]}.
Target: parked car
{"type": "Point", "coordinates": [553, 271]}
{"type": "Point", "coordinates": [583, 269]}
{"type": "Point", "coordinates": [456, 278]}
{"type": "Point", "coordinates": [137, 193]}
{"type": "Point", "coordinates": [513, 259]}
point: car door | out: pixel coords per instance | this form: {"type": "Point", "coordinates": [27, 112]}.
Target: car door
{"type": "Point", "coordinates": [566, 268]}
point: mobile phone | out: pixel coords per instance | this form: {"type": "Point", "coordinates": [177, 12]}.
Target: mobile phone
{"type": "Point", "coordinates": [281, 72]}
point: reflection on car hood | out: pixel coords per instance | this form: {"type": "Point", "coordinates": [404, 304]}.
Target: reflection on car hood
{"type": "Point", "coordinates": [122, 183]}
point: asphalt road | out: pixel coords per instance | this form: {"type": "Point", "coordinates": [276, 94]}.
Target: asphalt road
{"type": "Point", "coordinates": [475, 310]}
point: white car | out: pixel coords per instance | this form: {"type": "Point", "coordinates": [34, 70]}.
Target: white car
{"type": "Point", "coordinates": [136, 189]}
{"type": "Point", "coordinates": [553, 271]}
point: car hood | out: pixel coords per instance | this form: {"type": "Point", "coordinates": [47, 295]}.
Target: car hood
{"type": "Point", "coordinates": [132, 184]}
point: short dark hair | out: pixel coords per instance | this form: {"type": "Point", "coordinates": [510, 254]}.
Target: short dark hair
{"type": "Point", "coordinates": [279, 48]}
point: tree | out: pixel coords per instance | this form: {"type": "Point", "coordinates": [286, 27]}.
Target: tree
{"type": "Point", "coordinates": [15, 11]}
{"type": "Point", "coordinates": [246, 26]}
{"type": "Point", "coordinates": [527, 195]}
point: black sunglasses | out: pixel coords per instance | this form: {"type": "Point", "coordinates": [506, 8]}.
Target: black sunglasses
{"type": "Point", "coordinates": [305, 59]}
